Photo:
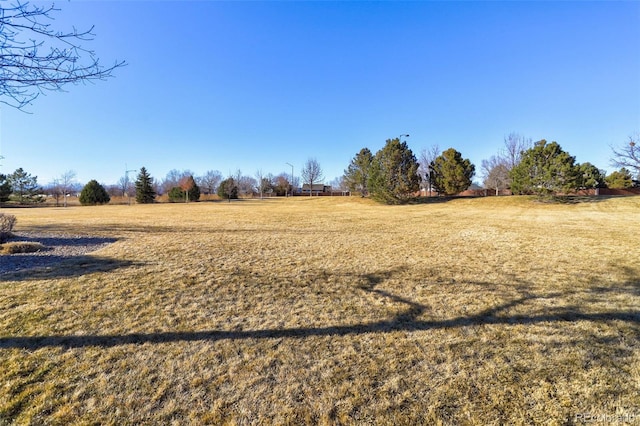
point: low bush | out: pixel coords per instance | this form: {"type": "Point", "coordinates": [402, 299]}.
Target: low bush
{"type": "Point", "coordinates": [21, 247]}
{"type": "Point", "coordinates": [7, 222]}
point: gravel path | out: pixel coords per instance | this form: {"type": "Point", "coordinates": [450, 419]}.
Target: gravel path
{"type": "Point", "coordinates": [58, 248]}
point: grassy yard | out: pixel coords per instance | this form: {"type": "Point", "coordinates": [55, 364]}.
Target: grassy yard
{"type": "Point", "coordinates": [329, 311]}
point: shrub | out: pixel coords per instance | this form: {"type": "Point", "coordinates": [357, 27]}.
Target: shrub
{"type": "Point", "coordinates": [21, 247]}
{"type": "Point", "coordinates": [176, 195]}
{"type": "Point", "coordinates": [228, 189]}
{"type": "Point", "coordinates": [93, 193]}
{"type": "Point", "coordinates": [7, 222]}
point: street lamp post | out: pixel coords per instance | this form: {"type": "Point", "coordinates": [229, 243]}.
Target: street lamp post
{"type": "Point", "coordinates": [126, 183]}
{"type": "Point", "coordinates": [400, 137]}
{"type": "Point", "coordinates": [289, 164]}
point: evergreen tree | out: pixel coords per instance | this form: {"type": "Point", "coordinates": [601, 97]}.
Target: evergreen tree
{"type": "Point", "coordinates": [620, 179]}
{"type": "Point", "coordinates": [25, 187]}
{"type": "Point", "coordinates": [544, 169]}
{"type": "Point", "coordinates": [5, 188]}
{"type": "Point", "coordinates": [93, 193]}
{"type": "Point", "coordinates": [589, 176]}
{"type": "Point", "coordinates": [393, 177]}
{"type": "Point", "coordinates": [357, 174]}
{"type": "Point", "coordinates": [228, 189]}
{"type": "Point", "coordinates": [176, 195]}
{"type": "Point", "coordinates": [144, 188]}
{"type": "Point", "coordinates": [450, 173]}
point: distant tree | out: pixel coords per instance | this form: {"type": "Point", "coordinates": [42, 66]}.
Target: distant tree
{"type": "Point", "coordinates": [620, 179]}
{"type": "Point", "coordinates": [65, 183]}
{"type": "Point", "coordinates": [34, 57]}
{"type": "Point", "coordinates": [312, 173]}
{"type": "Point", "coordinates": [209, 182]}
{"type": "Point", "coordinates": [5, 188]}
{"type": "Point", "coordinates": [54, 189]}
{"type": "Point", "coordinates": [93, 193]}
{"type": "Point", "coordinates": [145, 194]}
{"type": "Point", "coordinates": [628, 156]}
{"type": "Point", "coordinates": [262, 183]}
{"type": "Point", "coordinates": [25, 187]}
{"type": "Point", "coordinates": [267, 185]}
{"type": "Point", "coordinates": [589, 176]}
{"type": "Point", "coordinates": [247, 186]}
{"type": "Point", "coordinates": [191, 189]}
{"type": "Point", "coordinates": [228, 189]}
{"type": "Point", "coordinates": [450, 173]}
{"type": "Point", "coordinates": [281, 185]}
{"type": "Point", "coordinates": [339, 184]}
{"type": "Point", "coordinates": [113, 190]}
{"type": "Point", "coordinates": [545, 169]}
{"type": "Point", "coordinates": [356, 176]}
{"type": "Point", "coordinates": [496, 173]}
{"type": "Point", "coordinates": [176, 195]}
{"type": "Point", "coordinates": [126, 187]}
{"type": "Point", "coordinates": [174, 178]}
{"type": "Point", "coordinates": [394, 176]}
{"type": "Point", "coordinates": [426, 157]}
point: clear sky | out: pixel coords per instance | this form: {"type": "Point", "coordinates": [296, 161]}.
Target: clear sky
{"type": "Point", "coordinates": [255, 85]}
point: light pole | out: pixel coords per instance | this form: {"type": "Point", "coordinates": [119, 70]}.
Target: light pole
{"type": "Point", "coordinates": [400, 137]}
{"type": "Point", "coordinates": [289, 164]}
{"type": "Point", "coordinates": [126, 183]}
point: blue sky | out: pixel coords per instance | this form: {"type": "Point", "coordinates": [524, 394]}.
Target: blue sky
{"type": "Point", "coordinates": [255, 85]}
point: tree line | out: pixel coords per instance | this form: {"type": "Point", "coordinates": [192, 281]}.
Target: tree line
{"type": "Point", "coordinates": [177, 186]}
{"type": "Point", "coordinates": [394, 174]}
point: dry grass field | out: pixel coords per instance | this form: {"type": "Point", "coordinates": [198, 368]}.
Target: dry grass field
{"type": "Point", "coordinates": [329, 311]}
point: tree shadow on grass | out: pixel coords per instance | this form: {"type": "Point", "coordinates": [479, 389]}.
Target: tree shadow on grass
{"type": "Point", "coordinates": [35, 267]}
{"type": "Point", "coordinates": [407, 320]}
{"type": "Point", "coordinates": [53, 241]}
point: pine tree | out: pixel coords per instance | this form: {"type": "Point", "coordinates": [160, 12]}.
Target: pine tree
{"type": "Point", "coordinates": [393, 177]}
{"type": "Point", "coordinates": [25, 187]}
{"type": "Point", "coordinates": [620, 179]}
{"type": "Point", "coordinates": [144, 188]}
{"type": "Point", "coordinates": [544, 169]}
{"type": "Point", "coordinates": [357, 174]}
{"type": "Point", "coordinates": [93, 193]}
{"type": "Point", "coordinates": [5, 188]}
{"type": "Point", "coordinates": [450, 173]}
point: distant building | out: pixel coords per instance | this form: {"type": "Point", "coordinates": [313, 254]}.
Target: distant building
{"type": "Point", "coordinates": [318, 188]}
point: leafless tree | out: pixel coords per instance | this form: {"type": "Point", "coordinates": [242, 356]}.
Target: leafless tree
{"type": "Point", "coordinates": [514, 146]}
{"type": "Point", "coordinates": [496, 173]}
{"type": "Point", "coordinates": [628, 156]}
{"type": "Point", "coordinates": [35, 58]}
{"type": "Point", "coordinates": [125, 185]}
{"type": "Point", "coordinates": [209, 181]}
{"type": "Point", "coordinates": [312, 173]}
{"type": "Point", "coordinates": [260, 177]}
{"type": "Point", "coordinates": [66, 182]}
{"type": "Point", "coordinates": [427, 156]}
{"type": "Point", "coordinates": [339, 184]}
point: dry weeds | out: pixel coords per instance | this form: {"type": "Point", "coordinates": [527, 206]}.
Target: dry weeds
{"type": "Point", "coordinates": [328, 311]}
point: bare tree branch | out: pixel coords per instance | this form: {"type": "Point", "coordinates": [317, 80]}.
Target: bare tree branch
{"type": "Point", "coordinates": [34, 58]}
{"type": "Point", "coordinates": [628, 156]}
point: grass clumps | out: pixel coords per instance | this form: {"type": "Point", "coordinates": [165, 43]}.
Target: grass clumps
{"type": "Point", "coordinates": [7, 222]}
{"type": "Point", "coordinates": [21, 247]}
